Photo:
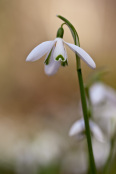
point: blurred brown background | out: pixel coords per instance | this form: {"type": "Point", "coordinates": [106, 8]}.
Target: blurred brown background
{"type": "Point", "coordinates": [30, 100]}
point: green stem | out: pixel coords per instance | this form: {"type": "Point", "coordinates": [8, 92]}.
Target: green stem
{"type": "Point", "coordinates": [83, 98]}
{"type": "Point", "coordinates": [85, 113]}
{"type": "Point", "coordinates": [90, 111]}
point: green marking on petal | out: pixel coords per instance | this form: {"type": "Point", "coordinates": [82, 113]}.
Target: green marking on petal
{"type": "Point", "coordinates": [60, 57]}
{"type": "Point", "coordinates": [48, 58]}
{"type": "Point", "coordinates": [64, 63]}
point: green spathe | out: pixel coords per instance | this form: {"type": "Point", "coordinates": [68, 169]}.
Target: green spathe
{"type": "Point", "coordinates": [60, 32]}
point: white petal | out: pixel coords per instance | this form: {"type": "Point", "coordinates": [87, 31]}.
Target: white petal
{"type": "Point", "coordinates": [77, 128]}
{"type": "Point", "coordinates": [53, 65]}
{"type": "Point", "coordinates": [101, 93]}
{"type": "Point", "coordinates": [96, 131]}
{"type": "Point", "coordinates": [40, 50]}
{"type": "Point", "coordinates": [59, 49]}
{"type": "Point", "coordinates": [80, 136]}
{"type": "Point", "coordinates": [97, 93]}
{"type": "Point", "coordinates": [82, 54]}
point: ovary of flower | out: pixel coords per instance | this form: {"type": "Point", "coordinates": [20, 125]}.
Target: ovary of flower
{"type": "Point", "coordinates": [56, 55]}
{"type": "Point", "coordinates": [78, 129]}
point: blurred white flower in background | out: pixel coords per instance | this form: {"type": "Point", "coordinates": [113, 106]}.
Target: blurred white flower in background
{"type": "Point", "coordinates": [44, 150]}
{"type": "Point", "coordinates": [27, 154]}
{"type": "Point", "coordinates": [101, 93]}
{"type": "Point", "coordinates": [103, 100]}
{"type": "Point", "coordinates": [78, 129]}
{"type": "Point", "coordinates": [101, 152]}
{"type": "Point", "coordinates": [76, 160]}
{"type": "Point", "coordinates": [80, 155]}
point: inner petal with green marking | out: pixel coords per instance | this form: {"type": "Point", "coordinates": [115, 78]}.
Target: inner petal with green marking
{"type": "Point", "coordinates": [64, 63]}
{"type": "Point", "coordinates": [60, 58]}
{"type": "Point", "coordinates": [59, 53]}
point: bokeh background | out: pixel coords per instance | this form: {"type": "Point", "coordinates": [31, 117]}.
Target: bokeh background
{"type": "Point", "coordinates": [35, 108]}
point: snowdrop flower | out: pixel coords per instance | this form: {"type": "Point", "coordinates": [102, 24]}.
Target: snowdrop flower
{"type": "Point", "coordinates": [78, 129]}
{"type": "Point", "coordinates": [56, 53]}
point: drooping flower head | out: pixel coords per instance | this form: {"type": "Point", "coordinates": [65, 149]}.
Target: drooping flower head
{"type": "Point", "coordinates": [78, 129]}
{"type": "Point", "coordinates": [56, 53]}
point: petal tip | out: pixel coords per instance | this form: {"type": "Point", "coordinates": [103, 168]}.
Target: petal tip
{"type": "Point", "coordinates": [49, 74]}
{"type": "Point", "coordinates": [71, 133]}
{"type": "Point", "coordinates": [91, 64]}
{"type": "Point", "coordinates": [77, 128]}
{"type": "Point", "coordinates": [94, 66]}
{"type": "Point", "coordinates": [28, 59]}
